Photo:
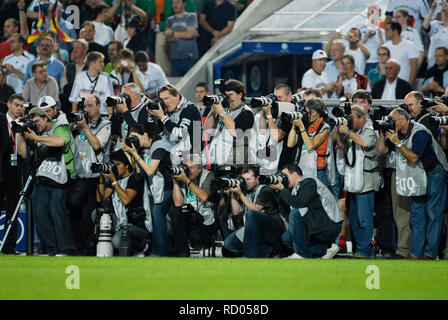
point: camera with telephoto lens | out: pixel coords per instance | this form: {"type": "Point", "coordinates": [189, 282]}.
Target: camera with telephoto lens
{"type": "Point", "coordinates": [381, 112]}
{"type": "Point", "coordinates": [273, 179]}
{"type": "Point", "coordinates": [103, 167]}
{"type": "Point", "coordinates": [113, 101]}
{"type": "Point", "coordinates": [228, 183]}
{"type": "Point", "coordinates": [215, 99]}
{"type": "Point", "coordinates": [175, 171]}
{"type": "Point", "coordinates": [76, 116]}
{"type": "Point", "coordinates": [339, 117]}
{"type": "Point", "coordinates": [384, 125]}
{"type": "Point", "coordinates": [263, 101]}
{"type": "Point", "coordinates": [298, 100]}
{"type": "Point", "coordinates": [81, 102]}
{"type": "Point", "coordinates": [154, 104]}
{"type": "Point", "coordinates": [27, 106]}
{"type": "Point", "coordinates": [291, 116]}
{"type": "Point", "coordinates": [132, 140]}
{"type": "Point", "coordinates": [441, 121]}
{"type": "Point", "coordinates": [23, 126]}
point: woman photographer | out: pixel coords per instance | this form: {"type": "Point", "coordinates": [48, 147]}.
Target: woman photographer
{"type": "Point", "coordinates": [127, 200]}
{"type": "Point", "coordinates": [349, 80]}
{"type": "Point", "coordinates": [154, 158]}
{"type": "Point", "coordinates": [314, 138]}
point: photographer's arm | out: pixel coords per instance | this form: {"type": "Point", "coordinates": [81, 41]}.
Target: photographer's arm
{"type": "Point", "coordinates": [314, 143]}
{"type": "Point", "coordinates": [293, 137]}
{"type": "Point", "coordinates": [381, 147]}
{"type": "Point", "coordinates": [178, 197]}
{"type": "Point", "coordinates": [202, 194]}
{"type": "Point", "coordinates": [236, 206]}
{"type": "Point", "coordinates": [307, 192]}
{"type": "Point", "coordinates": [250, 205]}
{"type": "Point", "coordinates": [102, 193]}
{"type": "Point", "coordinates": [21, 146]}
{"type": "Point", "coordinates": [277, 134]}
{"type": "Point", "coordinates": [93, 140]}
{"type": "Point", "coordinates": [51, 141]}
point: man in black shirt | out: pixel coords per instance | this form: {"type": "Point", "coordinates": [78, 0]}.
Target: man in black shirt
{"type": "Point", "coordinates": [216, 19]}
{"type": "Point", "coordinates": [419, 114]}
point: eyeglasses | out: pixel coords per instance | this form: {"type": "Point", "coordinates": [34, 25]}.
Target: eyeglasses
{"type": "Point", "coordinates": [389, 68]}
{"type": "Point", "coordinates": [383, 54]}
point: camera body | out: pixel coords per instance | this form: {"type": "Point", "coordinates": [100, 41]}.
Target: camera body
{"type": "Point", "coordinates": [23, 126]}
{"type": "Point", "coordinates": [341, 115]}
{"type": "Point", "coordinates": [103, 168]}
{"type": "Point", "coordinates": [154, 104]}
{"type": "Point", "coordinates": [274, 179]}
{"type": "Point", "coordinates": [113, 101]}
{"type": "Point", "coordinates": [132, 140]}
{"type": "Point", "coordinates": [263, 101]}
{"type": "Point", "coordinates": [175, 171]}
{"type": "Point", "coordinates": [216, 99]}
{"type": "Point", "coordinates": [384, 125]}
{"type": "Point", "coordinates": [76, 116]}
{"type": "Point", "coordinates": [289, 116]}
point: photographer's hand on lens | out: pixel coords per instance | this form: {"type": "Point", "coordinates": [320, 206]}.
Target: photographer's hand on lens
{"type": "Point", "coordinates": [182, 177]}
{"type": "Point", "coordinates": [122, 108]}
{"type": "Point", "coordinates": [236, 190]}
{"type": "Point", "coordinates": [343, 129]}
{"type": "Point", "coordinates": [159, 114]}
{"type": "Point", "coordinates": [219, 109]}
{"type": "Point", "coordinates": [110, 176]}
{"type": "Point", "coordinates": [82, 123]}
{"type": "Point", "coordinates": [393, 137]}
{"type": "Point", "coordinates": [439, 108]}
{"type": "Point", "coordinates": [267, 109]}
{"type": "Point", "coordinates": [279, 186]}
{"type": "Point", "coordinates": [30, 135]}
{"type": "Point", "coordinates": [298, 123]}
{"type": "Point", "coordinates": [131, 150]}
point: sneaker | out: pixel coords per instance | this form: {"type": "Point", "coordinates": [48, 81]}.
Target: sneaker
{"type": "Point", "coordinates": [61, 255]}
{"type": "Point", "coordinates": [294, 256]}
{"type": "Point", "coordinates": [141, 254]}
{"type": "Point", "coordinates": [331, 252]}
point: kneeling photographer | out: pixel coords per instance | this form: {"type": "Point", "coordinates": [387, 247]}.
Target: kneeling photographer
{"type": "Point", "coordinates": [133, 220]}
{"type": "Point", "coordinates": [263, 226]}
{"type": "Point", "coordinates": [315, 220]}
{"type": "Point", "coordinates": [91, 136]}
{"type": "Point", "coordinates": [314, 138]}
{"type": "Point", "coordinates": [53, 176]}
{"type": "Point", "coordinates": [152, 154]}
{"type": "Point", "coordinates": [192, 219]}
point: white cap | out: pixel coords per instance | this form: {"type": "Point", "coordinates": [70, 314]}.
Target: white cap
{"type": "Point", "coordinates": [319, 54]}
{"type": "Point", "coordinates": [46, 102]}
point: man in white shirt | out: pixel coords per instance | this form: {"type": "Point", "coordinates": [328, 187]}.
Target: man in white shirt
{"type": "Point", "coordinates": [402, 50]}
{"type": "Point", "coordinates": [438, 31]}
{"type": "Point", "coordinates": [103, 34]}
{"type": "Point", "coordinates": [391, 87]}
{"type": "Point", "coordinates": [150, 74]}
{"type": "Point", "coordinates": [16, 62]}
{"type": "Point", "coordinates": [316, 77]}
{"type": "Point", "coordinates": [408, 33]}
{"type": "Point", "coordinates": [357, 49]}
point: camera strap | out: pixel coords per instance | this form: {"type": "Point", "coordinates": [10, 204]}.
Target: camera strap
{"type": "Point", "coordinates": [13, 137]}
{"type": "Point", "coordinates": [94, 81]}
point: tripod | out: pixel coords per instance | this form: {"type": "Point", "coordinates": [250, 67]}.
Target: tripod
{"type": "Point", "coordinates": [23, 194]}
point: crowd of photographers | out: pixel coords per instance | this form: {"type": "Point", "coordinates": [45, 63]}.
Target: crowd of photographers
{"type": "Point", "coordinates": [274, 176]}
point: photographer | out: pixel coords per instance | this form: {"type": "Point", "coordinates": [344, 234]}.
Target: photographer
{"type": "Point", "coordinates": [51, 108]}
{"type": "Point", "coordinates": [181, 120]}
{"type": "Point", "coordinates": [54, 174]}
{"type": "Point", "coordinates": [229, 126]}
{"type": "Point", "coordinates": [420, 175]}
{"type": "Point", "coordinates": [9, 167]}
{"type": "Point", "coordinates": [314, 139]}
{"type": "Point", "coordinates": [131, 112]}
{"type": "Point", "coordinates": [418, 112]}
{"type": "Point", "coordinates": [153, 156]}
{"type": "Point", "coordinates": [315, 220]}
{"type": "Point", "coordinates": [126, 191]}
{"type": "Point", "coordinates": [256, 207]}
{"type": "Point", "coordinates": [192, 219]}
{"type": "Point", "coordinates": [361, 178]}
{"type": "Point", "coordinates": [91, 137]}
{"type": "Point", "coordinates": [93, 81]}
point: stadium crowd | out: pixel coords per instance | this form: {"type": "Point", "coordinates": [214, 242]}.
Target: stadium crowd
{"type": "Point", "coordinates": [97, 124]}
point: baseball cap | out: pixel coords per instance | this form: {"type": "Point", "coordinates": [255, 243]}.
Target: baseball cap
{"type": "Point", "coordinates": [36, 111]}
{"type": "Point", "coordinates": [319, 54]}
{"type": "Point", "coordinates": [46, 102]}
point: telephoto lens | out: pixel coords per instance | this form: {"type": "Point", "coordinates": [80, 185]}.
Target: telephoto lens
{"type": "Point", "coordinates": [113, 101]}
{"type": "Point", "coordinates": [76, 116]}
{"type": "Point", "coordinates": [228, 183]}
{"type": "Point", "coordinates": [23, 126]}
{"type": "Point", "coordinates": [441, 121]}
{"type": "Point", "coordinates": [273, 178]}
{"type": "Point", "coordinates": [102, 167]}
{"type": "Point", "coordinates": [263, 101]}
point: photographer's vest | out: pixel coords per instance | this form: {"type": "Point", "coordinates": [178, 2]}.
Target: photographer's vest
{"type": "Point", "coordinates": [354, 175]}
{"type": "Point", "coordinates": [156, 182]}
{"type": "Point", "coordinates": [121, 210]}
{"type": "Point", "coordinates": [204, 208]}
{"type": "Point", "coordinates": [329, 202]}
{"type": "Point", "coordinates": [124, 128]}
{"type": "Point", "coordinates": [411, 177]}
{"type": "Point", "coordinates": [252, 198]}
{"type": "Point", "coordinates": [84, 154]}
{"type": "Point", "coordinates": [258, 146]}
{"type": "Point", "coordinates": [54, 169]}
{"type": "Point", "coordinates": [223, 148]}
{"type": "Point", "coordinates": [389, 160]}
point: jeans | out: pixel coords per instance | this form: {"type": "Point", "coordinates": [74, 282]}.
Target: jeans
{"type": "Point", "coordinates": [52, 219]}
{"type": "Point", "coordinates": [336, 189]}
{"type": "Point", "coordinates": [179, 67]}
{"type": "Point", "coordinates": [260, 230]}
{"type": "Point", "coordinates": [361, 221]}
{"type": "Point", "coordinates": [427, 215]}
{"type": "Point", "coordinates": [159, 228]}
{"type": "Point", "coordinates": [323, 176]}
{"type": "Point", "coordinates": [308, 247]}
{"type": "Point", "coordinates": [139, 237]}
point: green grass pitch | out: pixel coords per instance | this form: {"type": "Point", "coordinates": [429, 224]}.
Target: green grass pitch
{"type": "Point", "coordinates": [219, 278]}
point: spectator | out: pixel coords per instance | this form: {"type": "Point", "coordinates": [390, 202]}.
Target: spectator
{"type": "Point", "coordinates": [181, 32]}
{"type": "Point", "coordinates": [87, 33]}
{"type": "Point", "coordinates": [125, 71]}
{"type": "Point", "coordinates": [349, 81]}
{"type": "Point", "coordinates": [41, 84]}
{"type": "Point", "coordinates": [361, 178]}
{"type": "Point", "coordinates": [316, 77]}
{"type": "Point", "coordinates": [11, 26]}
{"type": "Point", "coordinates": [402, 50]}
{"type": "Point", "coordinates": [391, 87]}
{"type": "Point", "coordinates": [241, 5]}
{"type": "Point", "coordinates": [135, 40]}
{"type": "Point", "coordinates": [201, 90]}
{"type": "Point", "coordinates": [216, 19]}
{"type": "Point", "coordinates": [409, 33]}
{"type": "Point", "coordinates": [437, 30]}
{"type": "Point", "coordinates": [336, 51]}
{"type": "Point", "coordinates": [419, 114]}
{"type": "Point", "coordinates": [357, 49]}
{"type": "Point", "coordinates": [16, 62]}
{"type": "Point", "coordinates": [5, 89]}
{"type": "Point", "coordinates": [379, 71]}
{"type": "Point", "coordinates": [55, 67]}
{"type": "Point", "coordinates": [103, 33]}
{"type": "Point", "coordinates": [58, 52]}
{"type": "Point", "coordinates": [162, 12]}
{"type": "Point", "coordinates": [416, 8]}
{"type": "Point", "coordinates": [436, 78]}
{"type": "Point", "coordinates": [150, 74]}
{"type": "Point", "coordinates": [113, 50]}
{"type": "Point", "coordinates": [93, 81]}
{"type": "Point", "coordinates": [128, 10]}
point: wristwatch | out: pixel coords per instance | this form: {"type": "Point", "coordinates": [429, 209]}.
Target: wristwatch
{"type": "Point", "coordinates": [346, 134]}
{"type": "Point", "coordinates": [399, 144]}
